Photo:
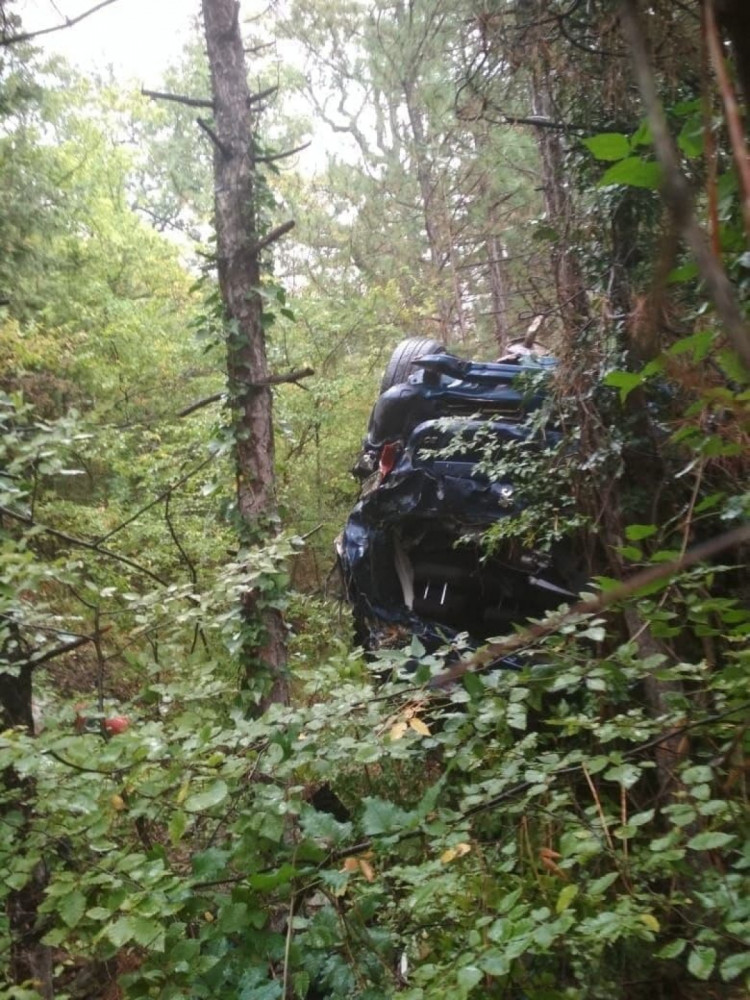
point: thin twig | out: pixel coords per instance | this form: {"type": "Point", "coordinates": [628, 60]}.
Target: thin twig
{"type": "Point", "coordinates": [82, 544]}
{"type": "Point", "coordinates": [67, 23]}
{"type": "Point", "coordinates": [152, 503]}
{"type": "Point", "coordinates": [598, 804]}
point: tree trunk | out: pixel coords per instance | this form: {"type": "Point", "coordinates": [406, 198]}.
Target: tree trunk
{"type": "Point", "coordinates": [238, 260]}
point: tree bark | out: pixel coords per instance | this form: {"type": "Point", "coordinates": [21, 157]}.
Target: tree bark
{"type": "Point", "coordinates": [238, 260]}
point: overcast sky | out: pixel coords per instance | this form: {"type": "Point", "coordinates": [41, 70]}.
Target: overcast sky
{"type": "Point", "coordinates": [138, 38]}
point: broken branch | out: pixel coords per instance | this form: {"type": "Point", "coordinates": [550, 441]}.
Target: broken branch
{"type": "Point", "coordinates": [191, 102]}
{"type": "Point", "coordinates": [261, 95]}
{"type": "Point", "coordinates": [272, 157]}
{"type": "Point", "coordinates": [274, 235]}
{"type": "Point", "coordinates": [221, 146]}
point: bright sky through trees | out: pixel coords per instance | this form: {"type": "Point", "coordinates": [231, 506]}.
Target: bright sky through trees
{"type": "Point", "coordinates": [138, 38]}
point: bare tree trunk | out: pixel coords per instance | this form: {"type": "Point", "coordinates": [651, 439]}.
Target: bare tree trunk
{"type": "Point", "coordinates": [238, 257]}
{"type": "Point", "coordinates": [571, 292]}
{"type": "Point", "coordinates": [498, 291]}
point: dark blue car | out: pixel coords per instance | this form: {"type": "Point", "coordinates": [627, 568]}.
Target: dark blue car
{"type": "Point", "coordinates": [411, 554]}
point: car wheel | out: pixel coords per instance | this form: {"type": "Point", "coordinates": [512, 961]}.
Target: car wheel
{"type": "Point", "coordinates": [401, 366]}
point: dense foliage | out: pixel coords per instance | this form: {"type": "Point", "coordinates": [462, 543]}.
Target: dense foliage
{"type": "Point", "coordinates": [410, 825]}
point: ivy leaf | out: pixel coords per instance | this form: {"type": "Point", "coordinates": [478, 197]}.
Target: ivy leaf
{"type": "Point", "coordinates": [209, 797]}
{"type": "Point", "coordinates": [701, 962]}
{"type": "Point", "coordinates": [608, 146]}
{"type": "Point", "coordinates": [633, 172]}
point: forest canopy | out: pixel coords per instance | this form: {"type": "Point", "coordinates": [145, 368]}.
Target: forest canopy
{"type": "Point", "coordinates": [207, 787]}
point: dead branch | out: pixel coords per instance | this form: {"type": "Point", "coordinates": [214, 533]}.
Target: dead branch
{"type": "Point", "coordinates": [262, 95]}
{"type": "Point", "coordinates": [274, 235]}
{"type": "Point", "coordinates": [191, 102]}
{"type": "Point", "coordinates": [67, 23]}
{"type": "Point", "coordinates": [676, 190]}
{"type": "Point", "coordinates": [294, 376]}
{"type": "Point", "coordinates": [222, 147]}
{"type": "Point", "coordinates": [272, 157]}
{"type": "Point", "coordinates": [652, 574]}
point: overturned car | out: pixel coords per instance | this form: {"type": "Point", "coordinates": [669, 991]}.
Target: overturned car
{"type": "Point", "coordinates": [411, 554]}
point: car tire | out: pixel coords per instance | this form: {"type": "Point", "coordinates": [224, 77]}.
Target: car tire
{"type": "Point", "coordinates": [401, 366]}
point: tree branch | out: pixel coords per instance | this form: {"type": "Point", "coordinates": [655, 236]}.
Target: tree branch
{"type": "Point", "coordinates": [152, 503]}
{"type": "Point", "coordinates": [222, 147]}
{"type": "Point", "coordinates": [82, 544]}
{"type": "Point", "coordinates": [191, 102]}
{"type": "Point", "coordinates": [36, 661]}
{"type": "Point", "coordinates": [272, 157]}
{"type": "Point", "coordinates": [294, 376]}
{"type": "Point", "coordinates": [676, 190]}
{"type": "Point", "coordinates": [262, 95]}
{"type": "Point", "coordinates": [274, 235]}
{"type": "Point", "coordinates": [67, 23]}
{"type": "Point", "coordinates": [214, 398]}
{"type": "Point", "coordinates": [652, 574]}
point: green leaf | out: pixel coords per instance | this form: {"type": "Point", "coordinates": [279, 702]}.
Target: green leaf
{"type": "Point", "coordinates": [734, 966]}
{"type": "Point", "coordinates": [494, 963]}
{"type": "Point", "coordinates": [633, 172]}
{"type": "Point", "coordinates": [566, 897]}
{"type": "Point", "coordinates": [710, 840]}
{"type": "Point", "coordinates": [642, 136]}
{"type": "Point", "coordinates": [72, 907]}
{"type": "Point", "coordinates": [624, 381]}
{"type": "Point", "coordinates": [608, 146]}
{"type": "Point", "coordinates": [208, 798]}
{"type": "Point", "coordinates": [148, 933]}
{"type": "Point", "coordinates": [468, 977]}
{"type": "Point", "coordinates": [635, 532]}
{"type": "Point", "coordinates": [701, 961]}
{"type": "Point", "coordinates": [121, 931]}
{"type": "Point", "coordinates": [672, 949]}
{"type": "Point", "coordinates": [625, 774]}
{"type": "Point", "coordinates": [383, 817]}
{"type": "Point", "coordinates": [177, 826]}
